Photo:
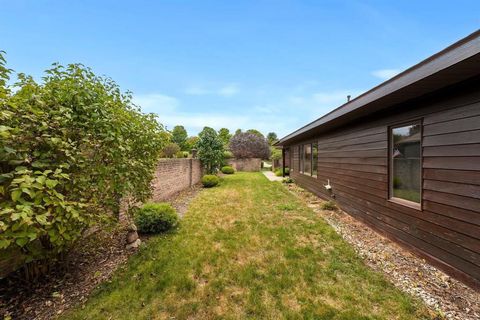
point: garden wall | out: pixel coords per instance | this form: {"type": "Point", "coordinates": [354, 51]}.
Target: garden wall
{"type": "Point", "coordinates": [175, 175]}
{"type": "Point", "coordinates": [248, 164]}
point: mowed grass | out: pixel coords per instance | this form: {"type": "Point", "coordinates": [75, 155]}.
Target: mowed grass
{"type": "Point", "coordinates": [248, 249]}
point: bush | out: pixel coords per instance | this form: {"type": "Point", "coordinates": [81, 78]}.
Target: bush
{"type": "Point", "coordinates": [181, 154]}
{"type": "Point", "coordinates": [71, 148]}
{"type": "Point", "coordinates": [210, 180]}
{"type": "Point", "coordinates": [227, 154]}
{"type": "Point", "coordinates": [329, 205]}
{"type": "Point", "coordinates": [228, 170]}
{"type": "Point", "coordinates": [288, 180]}
{"type": "Point", "coordinates": [156, 218]}
{"type": "Point", "coordinates": [279, 172]}
{"type": "Point", "coordinates": [170, 150]}
{"type": "Point", "coordinates": [249, 145]}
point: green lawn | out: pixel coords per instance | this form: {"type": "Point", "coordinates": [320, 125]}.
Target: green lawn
{"type": "Point", "coordinates": [248, 249]}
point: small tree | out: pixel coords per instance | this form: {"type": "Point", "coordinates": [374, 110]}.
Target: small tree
{"type": "Point", "coordinates": [256, 132]}
{"type": "Point", "coordinates": [179, 136]}
{"type": "Point", "coordinates": [191, 143]}
{"type": "Point", "coordinates": [225, 136]}
{"type": "Point", "coordinates": [272, 138]}
{"type": "Point", "coordinates": [170, 150]}
{"type": "Point", "coordinates": [210, 149]}
{"type": "Point", "coordinates": [249, 145]}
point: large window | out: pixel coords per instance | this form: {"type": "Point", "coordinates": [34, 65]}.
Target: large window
{"type": "Point", "coordinates": [405, 163]}
{"type": "Point", "coordinates": [307, 159]}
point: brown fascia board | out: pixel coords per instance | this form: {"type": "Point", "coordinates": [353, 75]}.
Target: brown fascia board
{"type": "Point", "coordinates": [454, 64]}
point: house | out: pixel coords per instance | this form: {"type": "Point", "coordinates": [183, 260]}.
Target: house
{"type": "Point", "coordinates": [404, 158]}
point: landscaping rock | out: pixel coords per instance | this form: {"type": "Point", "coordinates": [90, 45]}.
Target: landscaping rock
{"type": "Point", "coordinates": [132, 236]}
{"type": "Point", "coordinates": [134, 244]}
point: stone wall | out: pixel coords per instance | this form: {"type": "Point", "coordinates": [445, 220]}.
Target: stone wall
{"type": "Point", "coordinates": [248, 164]}
{"type": "Point", "coordinates": [175, 175]}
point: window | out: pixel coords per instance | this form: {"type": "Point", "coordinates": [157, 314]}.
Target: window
{"type": "Point", "coordinates": [315, 159]}
{"type": "Point", "coordinates": [290, 158]}
{"type": "Point", "coordinates": [405, 162]}
{"type": "Point", "coordinates": [300, 158]}
{"type": "Point", "coordinates": [307, 159]}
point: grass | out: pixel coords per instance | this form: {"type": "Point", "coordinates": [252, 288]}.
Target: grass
{"type": "Point", "coordinates": [248, 249]}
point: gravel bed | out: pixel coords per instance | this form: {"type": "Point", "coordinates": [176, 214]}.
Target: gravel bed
{"type": "Point", "coordinates": [446, 297]}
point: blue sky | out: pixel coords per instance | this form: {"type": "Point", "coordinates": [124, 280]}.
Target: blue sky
{"type": "Point", "coordinates": [270, 65]}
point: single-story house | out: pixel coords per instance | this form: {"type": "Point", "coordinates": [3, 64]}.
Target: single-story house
{"type": "Point", "coordinates": [404, 158]}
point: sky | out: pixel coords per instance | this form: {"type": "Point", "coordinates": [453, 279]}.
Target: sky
{"type": "Point", "coordinates": [268, 65]}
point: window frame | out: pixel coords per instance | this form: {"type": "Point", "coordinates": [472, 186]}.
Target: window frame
{"type": "Point", "coordinates": [314, 143]}
{"type": "Point", "coordinates": [391, 198]}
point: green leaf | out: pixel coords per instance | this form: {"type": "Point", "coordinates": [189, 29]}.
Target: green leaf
{"type": "Point", "coordinates": [16, 194]}
{"type": "Point", "coordinates": [51, 183]}
{"type": "Point", "coordinates": [4, 243]}
{"type": "Point", "coordinates": [21, 241]}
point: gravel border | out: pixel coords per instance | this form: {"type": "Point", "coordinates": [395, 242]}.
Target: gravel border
{"type": "Point", "coordinates": [447, 297]}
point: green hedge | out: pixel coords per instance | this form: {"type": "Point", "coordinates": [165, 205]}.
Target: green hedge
{"type": "Point", "coordinates": [156, 218]}
{"type": "Point", "coordinates": [228, 170]}
{"type": "Point", "coordinates": [210, 180]}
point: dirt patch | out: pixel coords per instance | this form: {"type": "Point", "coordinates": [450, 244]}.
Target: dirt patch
{"type": "Point", "coordinates": [92, 262]}
{"type": "Point", "coordinates": [445, 296]}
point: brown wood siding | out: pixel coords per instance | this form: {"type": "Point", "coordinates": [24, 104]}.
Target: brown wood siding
{"type": "Point", "coordinates": [447, 228]}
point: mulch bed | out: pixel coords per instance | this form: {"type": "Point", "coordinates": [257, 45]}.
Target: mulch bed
{"type": "Point", "coordinates": [445, 296]}
{"type": "Point", "coordinates": [92, 262]}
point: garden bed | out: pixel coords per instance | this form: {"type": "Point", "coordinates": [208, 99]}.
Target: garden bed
{"type": "Point", "coordinates": [448, 297]}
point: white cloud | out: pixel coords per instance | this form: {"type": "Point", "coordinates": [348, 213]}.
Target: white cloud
{"type": "Point", "coordinates": [196, 91]}
{"type": "Point", "coordinates": [156, 102]}
{"type": "Point", "coordinates": [386, 74]}
{"type": "Point", "coordinates": [229, 90]}
{"type": "Point", "coordinates": [225, 91]}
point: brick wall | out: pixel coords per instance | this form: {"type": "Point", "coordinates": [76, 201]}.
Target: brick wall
{"type": "Point", "coordinates": [174, 175]}
{"type": "Point", "coordinates": [248, 164]}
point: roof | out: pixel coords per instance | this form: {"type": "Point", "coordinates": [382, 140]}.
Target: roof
{"type": "Point", "coordinates": [456, 63]}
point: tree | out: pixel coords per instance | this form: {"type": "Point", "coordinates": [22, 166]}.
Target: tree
{"type": "Point", "coordinates": [179, 136]}
{"type": "Point", "coordinates": [191, 143]}
{"type": "Point", "coordinates": [272, 138]}
{"type": "Point", "coordinates": [256, 132]}
{"type": "Point", "coordinates": [224, 135]}
{"type": "Point", "coordinates": [170, 150]}
{"type": "Point", "coordinates": [238, 131]}
{"type": "Point", "coordinates": [71, 148]}
{"type": "Point", "coordinates": [210, 149]}
{"type": "Point", "coordinates": [249, 145]}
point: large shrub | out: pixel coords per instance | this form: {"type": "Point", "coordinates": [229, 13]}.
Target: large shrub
{"type": "Point", "coordinates": [210, 180]}
{"type": "Point", "coordinates": [249, 145]}
{"type": "Point", "coordinates": [156, 218]}
{"type": "Point", "coordinates": [170, 150]}
{"type": "Point", "coordinates": [227, 170]}
{"type": "Point", "coordinates": [71, 148]}
{"type": "Point", "coordinates": [210, 149]}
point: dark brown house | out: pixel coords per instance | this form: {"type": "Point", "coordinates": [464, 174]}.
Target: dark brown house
{"type": "Point", "coordinates": [404, 158]}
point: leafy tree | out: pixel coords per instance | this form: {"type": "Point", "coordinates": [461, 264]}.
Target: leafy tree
{"type": "Point", "coordinates": [191, 143]}
{"type": "Point", "coordinates": [249, 145]}
{"type": "Point", "coordinates": [210, 149]}
{"type": "Point", "coordinates": [275, 153]}
{"type": "Point", "coordinates": [272, 138]}
{"type": "Point", "coordinates": [170, 150]}
{"type": "Point", "coordinates": [238, 131]}
{"type": "Point", "coordinates": [256, 132]}
{"type": "Point", "coordinates": [224, 135]}
{"type": "Point", "coordinates": [179, 136]}
{"type": "Point", "coordinates": [70, 149]}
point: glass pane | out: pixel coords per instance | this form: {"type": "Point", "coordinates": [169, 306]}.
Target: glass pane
{"type": "Point", "coordinates": [300, 158]}
{"type": "Point", "coordinates": [307, 156]}
{"type": "Point", "coordinates": [406, 163]}
{"type": "Point", "coordinates": [315, 159]}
